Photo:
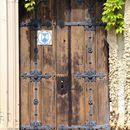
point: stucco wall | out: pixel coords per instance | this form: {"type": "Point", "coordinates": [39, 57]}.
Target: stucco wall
{"type": "Point", "coordinates": [9, 65]}
{"type": "Point", "coordinates": [119, 76]}
{"type": "Point", "coordinates": [126, 59]}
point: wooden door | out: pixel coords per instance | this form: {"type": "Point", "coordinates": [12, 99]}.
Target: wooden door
{"type": "Point", "coordinates": [65, 103]}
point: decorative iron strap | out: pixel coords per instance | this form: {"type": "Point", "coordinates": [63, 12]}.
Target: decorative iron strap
{"type": "Point", "coordinates": [36, 126]}
{"type": "Point", "coordinates": [87, 23]}
{"type": "Point", "coordinates": [86, 126]}
{"type": "Point", "coordinates": [35, 75]}
{"type": "Point", "coordinates": [90, 75]}
{"type": "Point", "coordinates": [36, 24]}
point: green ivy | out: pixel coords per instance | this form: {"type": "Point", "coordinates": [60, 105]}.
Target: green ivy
{"type": "Point", "coordinates": [113, 15]}
{"type": "Point", "coordinates": [29, 5]}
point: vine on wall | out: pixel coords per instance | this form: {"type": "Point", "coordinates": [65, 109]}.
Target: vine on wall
{"type": "Point", "coordinates": [112, 14]}
{"type": "Point", "coordinates": [29, 4]}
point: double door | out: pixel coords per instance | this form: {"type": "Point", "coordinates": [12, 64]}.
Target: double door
{"type": "Point", "coordinates": [63, 99]}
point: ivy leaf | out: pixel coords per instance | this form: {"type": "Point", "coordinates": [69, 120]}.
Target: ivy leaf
{"type": "Point", "coordinates": [29, 5]}
{"type": "Point", "coordinates": [113, 15]}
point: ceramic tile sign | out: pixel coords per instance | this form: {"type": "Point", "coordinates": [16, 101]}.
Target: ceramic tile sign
{"type": "Point", "coordinates": [44, 37]}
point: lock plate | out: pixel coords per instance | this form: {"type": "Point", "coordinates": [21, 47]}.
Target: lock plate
{"type": "Point", "coordinates": [62, 84]}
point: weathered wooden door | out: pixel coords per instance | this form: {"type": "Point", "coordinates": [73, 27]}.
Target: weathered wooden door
{"type": "Point", "coordinates": [63, 99]}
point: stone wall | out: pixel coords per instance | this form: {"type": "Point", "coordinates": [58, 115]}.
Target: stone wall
{"type": "Point", "coordinates": [119, 76]}
{"type": "Point", "coordinates": [126, 59]}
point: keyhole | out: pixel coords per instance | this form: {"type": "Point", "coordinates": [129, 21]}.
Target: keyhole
{"type": "Point", "coordinates": [62, 86]}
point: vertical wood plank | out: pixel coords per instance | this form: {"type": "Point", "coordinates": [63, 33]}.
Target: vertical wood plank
{"type": "Point", "coordinates": [77, 59]}
{"type": "Point", "coordinates": [24, 67]}
{"type": "Point", "coordinates": [102, 66]}
{"type": "Point", "coordinates": [48, 66]}
{"type": "Point", "coordinates": [62, 62]}
{"type": "Point", "coordinates": [102, 85]}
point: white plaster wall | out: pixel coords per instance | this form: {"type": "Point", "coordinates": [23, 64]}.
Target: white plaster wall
{"type": "Point", "coordinates": [9, 65]}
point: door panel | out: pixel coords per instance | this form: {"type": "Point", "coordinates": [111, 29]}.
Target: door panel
{"type": "Point", "coordinates": [25, 67]}
{"type": "Point", "coordinates": [62, 104]}
{"type": "Point", "coordinates": [77, 64]}
{"type": "Point", "coordinates": [63, 99]}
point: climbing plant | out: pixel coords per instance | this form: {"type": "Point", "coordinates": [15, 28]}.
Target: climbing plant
{"type": "Point", "coordinates": [29, 4]}
{"type": "Point", "coordinates": [112, 13]}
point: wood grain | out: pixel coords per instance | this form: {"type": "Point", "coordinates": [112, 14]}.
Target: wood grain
{"type": "Point", "coordinates": [67, 56]}
{"type": "Point", "coordinates": [62, 62]}
{"type": "Point", "coordinates": [25, 67]}
{"type": "Point", "coordinates": [77, 59]}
